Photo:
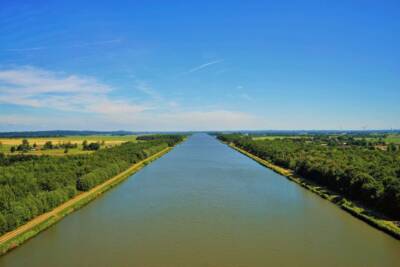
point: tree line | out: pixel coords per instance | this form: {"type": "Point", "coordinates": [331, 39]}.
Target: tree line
{"type": "Point", "coordinates": [61, 133]}
{"type": "Point", "coordinates": [32, 185]}
{"type": "Point", "coordinates": [25, 146]}
{"type": "Point", "coordinates": [171, 139]}
{"type": "Point", "coordinates": [370, 176]}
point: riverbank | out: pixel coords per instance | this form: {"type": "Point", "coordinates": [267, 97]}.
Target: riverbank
{"type": "Point", "coordinates": [18, 236]}
{"type": "Point", "coordinates": [351, 207]}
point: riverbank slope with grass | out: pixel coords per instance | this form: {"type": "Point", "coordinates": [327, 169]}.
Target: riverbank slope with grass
{"type": "Point", "coordinates": [33, 185]}
{"type": "Point", "coordinates": [18, 236]}
{"type": "Point", "coordinates": [372, 218]}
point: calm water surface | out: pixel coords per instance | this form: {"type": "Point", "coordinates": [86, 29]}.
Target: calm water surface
{"type": "Point", "coordinates": [204, 204]}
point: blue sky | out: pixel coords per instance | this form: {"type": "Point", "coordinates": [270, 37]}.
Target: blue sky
{"type": "Point", "coordinates": [199, 65]}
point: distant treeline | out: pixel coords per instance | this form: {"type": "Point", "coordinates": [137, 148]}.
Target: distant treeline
{"type": "Point", "coordinates": [32, 185]}
{"type": "Point", "coordinates": [25, 146]}
{"type": "Point", "coordinates": [356, 133]}
{"type": "Point", "coordinates": [364, 174]}
{"type": "Point", "coordinates": [171, 139]}
{"type": "Point", "coordinates": [59, 133]}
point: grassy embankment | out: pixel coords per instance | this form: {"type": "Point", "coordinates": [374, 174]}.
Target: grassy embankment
{"type": "Point", "coordinates": [109, 141]}
{"type": "Point", "coordinates": [353, 208]}
{"type": "Point", "coordinates": [18, 236]}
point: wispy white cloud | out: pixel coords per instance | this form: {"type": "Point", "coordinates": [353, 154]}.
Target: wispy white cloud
{"type": "Point", "coordinates": [145, 121]}
{"type": "Point", "coordinates": [34, 81]}
{"type": "Point", "coordinates": [205, 65]}
{"type": "Point", "coordinates": [198, 68]}
{"type": "Point", "coordinates": [86, 103]}
{"type": "Point", "coordinates": [39, 88]}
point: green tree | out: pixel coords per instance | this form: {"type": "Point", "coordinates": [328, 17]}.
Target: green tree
{"type": "Point", "coordinates": [48, 145]}
{"type": "Point", "coordinates": [31, 185]}
{"type": "Point", "coordinates": [3, 224]}
{"type": "Point", "coordinates": [84, 144]}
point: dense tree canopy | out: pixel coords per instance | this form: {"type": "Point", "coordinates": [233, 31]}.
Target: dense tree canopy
{"type": "Point", "coordinates": [358, 171]}
{"type": "Point", "coordinates": [32, 185]}
{"type": "Point", "coordinates": [171, 139]}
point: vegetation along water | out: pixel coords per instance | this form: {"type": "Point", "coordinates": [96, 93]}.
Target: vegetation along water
{"type": "Point", "coordinates": [205, 204]}
{"type": "Point", "coordinates": [32, 185]}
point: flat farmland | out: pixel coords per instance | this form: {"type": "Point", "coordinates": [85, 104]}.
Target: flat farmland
{"type": "Point", "coordinates": [272, 137]}
{"type": "Point", "coordinates": [391, 138]}
{"type": "Point", "coordinates": [105, 140]}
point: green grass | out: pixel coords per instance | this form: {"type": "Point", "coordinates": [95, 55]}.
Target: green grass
{"type": "Point", "coordinates": [18, 240]}
{"type": "Point", "coordinates": [5, 148]}
{"type": "Point", "coordinates": [372, 218]}
{"type": "Point", "coordinates": [24, 236]}
{"type": "Point", "coordinates": [272, 137]}
{"type": "Point", "coordinates": [394, 138]}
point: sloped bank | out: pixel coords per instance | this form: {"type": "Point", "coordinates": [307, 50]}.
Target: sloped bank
{"type": "Point", "coordinates": [23, 233]}
{"type": "Point", "coordinates": [351, 207]}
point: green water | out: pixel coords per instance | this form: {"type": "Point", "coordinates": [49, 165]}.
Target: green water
{"type": "Point", "coordinates": [204, 204]}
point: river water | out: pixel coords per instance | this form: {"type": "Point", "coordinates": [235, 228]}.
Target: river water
{"type": "Point", "coordinates": [204, 204]}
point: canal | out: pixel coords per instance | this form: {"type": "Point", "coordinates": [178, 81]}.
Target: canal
{"type": "Point", "coordinates": [204, 204]}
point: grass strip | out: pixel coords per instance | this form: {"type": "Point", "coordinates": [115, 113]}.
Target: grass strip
{"type": "Point", "coordinates": [10, 241]}
{"type": "Point", "coordinates": [372, 218]}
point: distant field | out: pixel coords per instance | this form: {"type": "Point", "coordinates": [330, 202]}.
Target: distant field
{"type": "Point", "coordinates": [272, 137]}
{"type": "Point", "coordinates": [393, 138]}
{"type": "Point", "coordinates": [109, 140]}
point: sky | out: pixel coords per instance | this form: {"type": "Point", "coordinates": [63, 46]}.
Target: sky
{"type": "Point", "coordinates": [199, 65]}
